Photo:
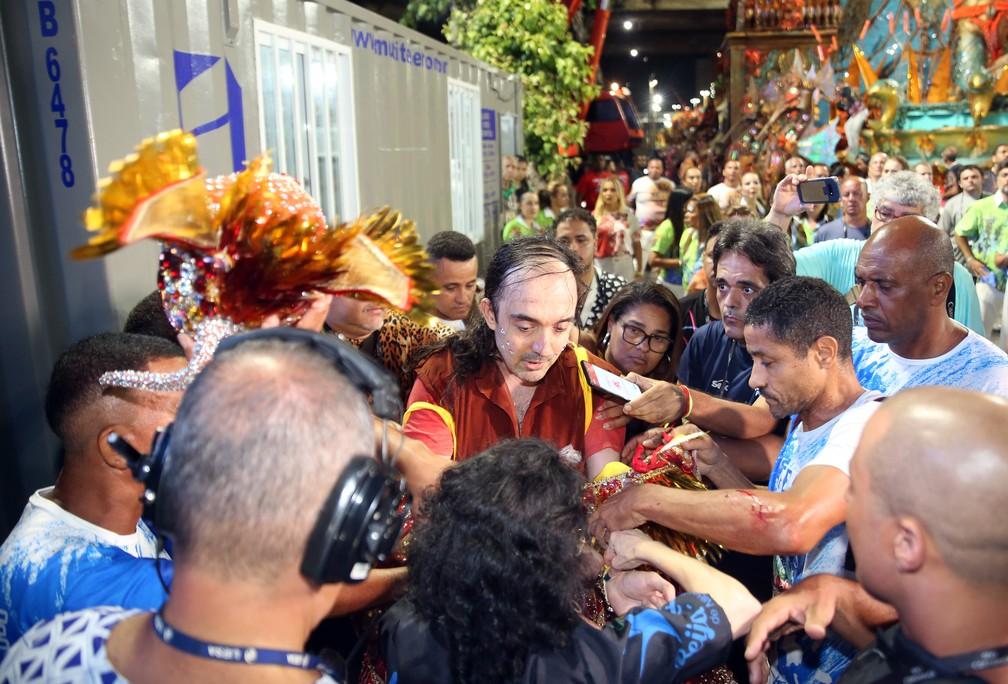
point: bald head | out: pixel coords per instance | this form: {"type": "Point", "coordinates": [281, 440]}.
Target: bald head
{"type": "Point", "coordinates": [925, 246]}
{"type": "Point", "coordinates": [261, 436]}
{"type": "Point", "coordinates": [940, 455]}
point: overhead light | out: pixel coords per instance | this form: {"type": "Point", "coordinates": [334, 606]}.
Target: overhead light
{"type": "Point", "coordinates": [657, 98]}
{"type": "Point", "coordinates": [719, 57]}
{"type": "Point", "coordinates": [676, 107]}
{"type": "Point", "coordinates": [652, 83]}
{"type": "Point", "coordinates": [704, 93]}
{"type": "Point", "coordinates": [656, 106]}
{"type": "Point", "coordinates": [614, 86]}
{"type": "Point", "coordinates": [694, 101]}
{"type": "Point", "coordinates": [627, 25]}
{"type": "Point", "coordinates": [633, 52]}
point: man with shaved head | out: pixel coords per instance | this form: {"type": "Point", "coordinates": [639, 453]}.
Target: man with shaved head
{"type": "Point", "coordinates": [902, 280]}
{"type": "Point", "coordinates": [943, 568]}
{"type": "Point", "coordinates": [896, 195]}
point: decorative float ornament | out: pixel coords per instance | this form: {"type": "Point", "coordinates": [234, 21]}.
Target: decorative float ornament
{"type": "Point", "coordinates": [883, 100]}
{"type": "Point", "coordinates": [667, 465]}
{"type": "Point", "coordinates": [240, 248]}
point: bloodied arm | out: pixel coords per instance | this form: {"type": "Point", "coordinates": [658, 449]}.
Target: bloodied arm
{"type": "Point", "coordinates": [753, 521]}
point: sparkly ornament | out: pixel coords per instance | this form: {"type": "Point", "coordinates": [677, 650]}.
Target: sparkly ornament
{"type": "Point", "coordinates": [240, 248]}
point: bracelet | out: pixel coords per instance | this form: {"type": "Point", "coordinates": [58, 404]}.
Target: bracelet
{"type": "Point", "coordinates": [603, 578]}
{"type": "Point", "coordinates": [687, 399]}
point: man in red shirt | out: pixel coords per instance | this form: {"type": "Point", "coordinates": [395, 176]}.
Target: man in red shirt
{"type": "Point", "coordinates": [516, 374]}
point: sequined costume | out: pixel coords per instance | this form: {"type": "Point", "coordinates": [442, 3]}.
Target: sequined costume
{"type": "Point", "coordinates": [243, 247]}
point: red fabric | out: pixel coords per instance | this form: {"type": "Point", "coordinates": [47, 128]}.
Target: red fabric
{"type": "Point", "coordinates": [588, 186]}
{"type": "Point", "coordinates": [484, 412]}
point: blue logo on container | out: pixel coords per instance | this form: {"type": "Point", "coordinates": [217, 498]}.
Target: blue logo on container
{"type": "Point", "coordinates": [190, 65]}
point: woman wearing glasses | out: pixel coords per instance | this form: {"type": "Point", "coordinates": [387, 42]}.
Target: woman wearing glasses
{"type": "Point", "coordinates": [640, 331]}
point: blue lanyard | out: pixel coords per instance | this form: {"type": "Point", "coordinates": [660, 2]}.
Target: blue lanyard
{"type": "Point", "coordinates": [247, 655]}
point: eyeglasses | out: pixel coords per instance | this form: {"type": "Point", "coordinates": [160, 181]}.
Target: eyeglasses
{"type": "Point", "coordinates": [634, 335]}
{"type": "Point", "coordinates": [886, 214]}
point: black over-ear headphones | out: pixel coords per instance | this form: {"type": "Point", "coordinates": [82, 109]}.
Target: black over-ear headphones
{"type": "Point", "coordinates": [361, 519]}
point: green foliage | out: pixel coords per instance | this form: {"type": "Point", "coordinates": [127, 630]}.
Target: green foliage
{"type": "Point", "coordinates": [531, 38]}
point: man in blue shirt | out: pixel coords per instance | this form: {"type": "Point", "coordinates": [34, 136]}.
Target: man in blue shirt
{"type": "Point", "coordinates": [798, 331]}
{"type": "Point", "coordinates": [853, 222]}
{"type": "Point", "coordinates": [81, 543]}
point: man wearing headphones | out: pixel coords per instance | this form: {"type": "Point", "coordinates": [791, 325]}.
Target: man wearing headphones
{"type": "Point", "coordinates": [247, 496]}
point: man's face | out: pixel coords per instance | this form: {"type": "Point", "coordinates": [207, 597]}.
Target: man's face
{"type": "Point", "coordinates": [924, 171]}
{"type": "Point", "coordinates": [894, 295]}
{"type": "Point", "coordinates": [655, 169]}
{"type": "Point", "coordinates": [789, 382]}
{"type": "Point", "coordinates": [534, 316]}
{"type": "Point", "coordinates": [794, 165]}
{"type": "Point", "coordinates": [521, 171]}
{"type": "Point", "coordinates": [853, 199]}
{"type": "Point", "coordinates": [456, 281]}
{"type": "Point", "coordinates": [820, 171]}
{"type": "Point", "coordinates": [876, 164]}
{"type": "Point", "coordinates": [1000, 154]}
{"type": "Point", "coordinates": [561, 197]}
{"type": "Point", "coordinates": [738, 281]}
{"type": "Point", "coordinates": [692, 179]}
{"type": "Point", "coordinates": [891, 166]}
{"type": "Point", "coordinates": [354, 316]}
{"type": "Point", "coordinates": [509, 168]}
{"type": "Point", "coordinates": [869, 526]}
{"type": "Point", "coordinates": [576, 236]}
{"type": "Point", "coordinates": [731, 172]}
{"type": "Point", "coordinates": [970, 181]}
{"type": "Point", "coordinates": [1002, 181]}
{"type": "Point", "coordinates": [887, 210]}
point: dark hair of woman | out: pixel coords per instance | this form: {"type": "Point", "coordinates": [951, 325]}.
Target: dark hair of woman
{"type": "Point", "coordinates": [512, 263]}
{"type": "Point", "coordinates": [675, 209]}
{"type": "Point", "coordinates": [511, 517]}
{"type": "Point", "coordinates": [630, 297]}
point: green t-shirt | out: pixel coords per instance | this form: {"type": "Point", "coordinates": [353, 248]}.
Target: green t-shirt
{"type": "Point", "coordinates": [517, 227]}
{"type": "Point", "coordinates": [664, 236]}
{"type": "Point", "coordinates": [690, 255]}
{"type": "Point", "coordinates": [985, 225]}
{"type": "Point", "coordinates": [834, 262]}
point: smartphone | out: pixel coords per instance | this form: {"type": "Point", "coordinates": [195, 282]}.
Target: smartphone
{"type": "Point", "coordinates": [819, 191]}
{"type": "Point", "coordinates": [610, 383]}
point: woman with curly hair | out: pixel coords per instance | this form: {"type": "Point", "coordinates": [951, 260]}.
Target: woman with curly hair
{"type": "Point", "coordinates": [641, 331]}
{"type": "Point", "coordinates": [497, 568]}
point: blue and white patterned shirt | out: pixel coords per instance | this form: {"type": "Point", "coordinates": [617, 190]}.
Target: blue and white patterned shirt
{"type": "Point", "coordinates": [831, 444]}
{"type": "Point", "coordinates": [973, 364]}
{"type": "Point", "coordinates": [71, 648]}
{"type": "Point", "coordinates": [54, 562]}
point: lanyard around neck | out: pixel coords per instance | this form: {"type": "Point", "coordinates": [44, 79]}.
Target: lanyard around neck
{"type": "Point", "coordinates": [228, 653]}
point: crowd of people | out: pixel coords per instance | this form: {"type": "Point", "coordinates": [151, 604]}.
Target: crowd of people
{"type": "Point", "coordinates": [820, 380]}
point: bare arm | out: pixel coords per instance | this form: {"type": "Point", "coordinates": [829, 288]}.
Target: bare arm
{"type": "Point", "coordinates": [664, 402]}
{"type": "Point", "coordinates": [631, 548]}
{"type": "Point", "coordinates": [976, 267]}
{"type": "Point", "coordinates": [382, 585]}
{"type": "Point", "coordinates": [753, 521]}
{"type": "Point", "coordinates": [814, 604]}
{"type": "Point", "coordinates": [754, 458]}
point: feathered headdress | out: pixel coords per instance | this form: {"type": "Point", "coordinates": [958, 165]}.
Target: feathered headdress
{"type": "Point", "coordinates": [240, 248]}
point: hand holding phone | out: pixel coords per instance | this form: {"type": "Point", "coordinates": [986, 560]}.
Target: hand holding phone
{"type": "Point", "coordinates": [819, 191]}
{"type": "Point", "coordinates": [609, 383]}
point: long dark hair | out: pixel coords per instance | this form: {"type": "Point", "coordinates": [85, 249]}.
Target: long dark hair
{"type": "Point", "coordinates": [472, 347]}
{"type": "Point", "coordinates": [675, 210]}
{"type": "Point", "coordinates": [633, 295]}
{"type": "Point", "coordinates": [510, 517]}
